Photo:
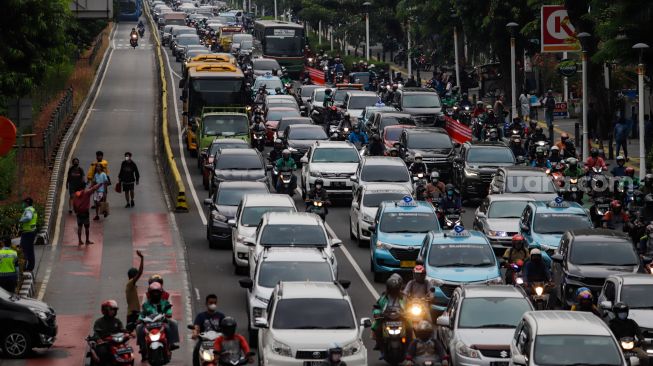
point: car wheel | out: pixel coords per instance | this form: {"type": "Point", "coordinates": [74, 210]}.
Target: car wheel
{"type": "Point", "coordinates": [16, 344]}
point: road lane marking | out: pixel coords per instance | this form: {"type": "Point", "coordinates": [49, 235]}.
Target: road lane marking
{"type": "Point", "coordinates": [197, 294]}
{"type": "Point", "coordinates": [193, 192]}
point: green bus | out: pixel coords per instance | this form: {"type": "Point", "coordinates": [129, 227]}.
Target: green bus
{"type": "Point", "coordinates": [283, 41]}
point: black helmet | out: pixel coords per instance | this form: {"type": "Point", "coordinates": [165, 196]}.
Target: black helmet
{"type": "Point", "coordinates": [594, 152]}
{"type": "Point", "coordinates": [394, 283]}
{"type": "Point", "coordinates": [228, 326]}
{"type": "Point", "coordinates": [320, 182]}
{"type": "Point", "coordinates": [620, 308]}
{"type": "Point", "coordinates": [648, 199]}
{"type": "Point", "coordinates": [648, 179]}
{"type": "Point", "coordinates": [449, 187]}
{"type": "Point", "coordinates": [335, 354]}
{"type": "Point", "coordinates": [327, 91]}
{"type": "Point", "coordinates": [539, 130]}
{"type": "Point", "coordinates": [376, 137]}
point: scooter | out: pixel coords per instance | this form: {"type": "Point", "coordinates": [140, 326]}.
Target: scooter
{"type": "Point", "coordinates": [451, 218]}
{"type": "Point", "coordinates": [286, 186]}
{"type": "Point", "coordinates": [133, 41]}
{"type": "Point", "coordinates": [157, 348]}
{"type": "Point", "coordinates": [226, 359]}
{"type": "Point", "coordinates": [121, 352]}
{"type": "Point", "coordinates": [627, 347]}
{"type": "Point", "coordinates": [395, 335]}
{"type": "Point", "coordinates": [317, 207]}
{"type": "Point", "coordinates": [207, 339]}
{"type": "Point", "coordinates": [258, 141]}
{"type": "Point", "coordinates": [141, 31]}
{"type": "Point", "coordinates": [539, 295]}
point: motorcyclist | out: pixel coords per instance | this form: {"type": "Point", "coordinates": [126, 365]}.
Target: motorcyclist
{"type": "Point", "coordinates": [338, 66]}
{"type": "Point", "coordinates": [516, 125]}
{"type": "Point", "coordinates": [540, 160]}
{"type": "Point", "coordinates": [285, 78]}
{"type": "Point", "coordinates": [155, 304]}
{"type": "Point", "coordinates": [594, 160]}
{"type": "Point", "coordinates": [616, 218]}
{"type": "Point", "coordinates": [620, 169]}
{"type": "Point", "coordinates": [133, 33]}
{"type": "Point", "coordinates": [623, 327]}
{"type": "Point", "coordinates": [435, 188]}
{"type": "Point", "coordinates": [516, 253]}
{"type": "Point", "coordinates": [157, 278]}
{"type": "Point", "coordinates": [357, 136]}
{"type": "Point", "coordinates": [570, 150]}
{"type": "Point", "coordinates": [451, 199]}
{"type": "Point", "coordinates": [585, 302]}
{"type": "Point", "coordinates": [278, 91]}
{"type": "Point", "coordinates": [426, 347]}
{"type": "Point", "coordinates": [391, 297]}
{"type": "Point", "coordinates": [204, 322]}
{"type": "Point", "coordinates": [286, 162]}
{"type": "Point", "coordinates": [104, 327]}
{"type": "Point", "coordinates": [393, 152]}
{"type": "Point", "coordinates": [327, 103]}
{"type": "Point", "coordinates": [258, 125]}
{"type": "Point", "coordinates": [418, 287]}
{"type": "Point", "coordinates": [231, 345]}
{"type": "Point", "coordinates": [479, 109]}
{"type": "Point", "coordinates": [537, 135]}
{"type": "Point", "coordinates": [140, 24]}
{"type": "Point", "coordinates": [418, 166]}
{"type": "Point", "coordinates": [335, 357]}
{"type": "Point", "coordinates": [318, 193]}
{"type": "Point", "coordinates": [646, 212]}
{"type": "Point", "coordinates": [376, 147]}
{"type": "Point", "coordinates": [648, 184]}
{"type": "Point", "coordinates": [390, 95]}
{"type": "Point", "coordinates": [561, 144]}
{"type": "Point", "coordinates": [411, 82]}
{"type": "Point", "coordinates": [573, 170]}
{"type": "Point", "coordinates": [535, 269]}
{"type": "Point", "coordinates": [275, 153]}
{"type": "Point", "coordinates": [464, 101]}
{"type": "Point", "coordinates": [555, 156]}
{"type": "Point", "coordinates": [516, 146]}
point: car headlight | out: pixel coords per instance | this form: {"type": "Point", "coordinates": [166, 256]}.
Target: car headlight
{"type": "Point", "coordinates": [497, 233]}
{"type": "Point", "coordinates": [352, 348]}
{"type": "Point", "coordinates": [40, 313]}
{"type": "Point", "coordinates": [368, 218]}
{"type": "Point", "coordinates": [463, 350]}
{"type": "Point", "coordinates": [218, 216]}
{"type": "Point", "coordinates": [207, 355]}
{"type": "Point", "coordinates": [240, 238]}
{"type": "Point", "coordinates": [314, 173]}
{"type": "Point", "coordinates": [281, 349]}
{"type": "Point", "coordinates": [470, 173]}
{"type": "Point", "coordinates": [382, 245]}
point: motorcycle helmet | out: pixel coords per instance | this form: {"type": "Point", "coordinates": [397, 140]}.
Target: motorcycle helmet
{"type": "Point", "coordinates": [154, 292]}
{"type": "Point", "coordinates": [539, 152]}
{"type": "Point", "coordinates": [539, 130]}
{"type": "Point", "coordinates": [419, 273]}
{"type": "Point", "coordinates": [620, 159]}
{"type": "Point", "coordinates": [518, 239]}
{"type": "Point", "coordinates": [285, 153]}
{"type": "Point", "coordinates": [564, 136]}
{"type": "Point", "coordinates": [648, 180]}
{"type": "Point", "coordinates": [594, 152]}
{"type": "Point", "coordinates": [108, 305]}
{"type": "Point", "coordinates": [555, 149]}
{"type": "Point", "coordinates": [394, 87]}
{"type": "Point", "coordinates": [584, 297]}
{"type": "Point", "coordinates": [393, 152]}
{"type": "Point", "coordinates": [479, 103]}
{"type": "Point", "coordinates": [450, 189]}
{"type": "Point", "coordinates": [536, 255]}
{"type": "Point", "coordinates": [435, 177]}
{"type": "Point", "coordinates": [327, 91]}
{"type": "Point", "coordinates": [376, 137]}
{"type": "Point", "coordinates": [532, 125]}
{"type": "Point", "coordinates": [393, 284]}
{"type": "Point", "coordinates": [418, 158]}
{"type": "Point", "coordinates": [573, 162]}
{"type": "Point", "coordinates": [335, 354]}
{"type": "Point", "coordinates": [278, 143]}
{"type": "Point", "coordinates": [620, 310]}
{"type": "Point", "coordinates": [615, 206]}
{"type": "Point", "coordinates": [424, 330]}
{"type": "Point", "coordinates": [319, 183]}
{"type": "Point", "coordinates": [228, 326]}
{"type": "Point", "coordinates": [630, 171]}
{"type": "Point", "coordinates": [155, 278]}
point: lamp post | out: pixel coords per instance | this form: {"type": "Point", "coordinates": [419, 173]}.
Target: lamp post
{"type": "Point", "coordinates": [512, 28]}
{"type": "Point", "coordinates": [366, 9]}
{"type": "Point", "coordinates": [641, 47]}
{"type": "Point", "coordinates": [584, 38]}
{"type": "Point", "coordinates": [454, 17]}
{"type": "Point", "coordinates": [275, 9]}
{"type": "Point", "coordinates": [410, 62]}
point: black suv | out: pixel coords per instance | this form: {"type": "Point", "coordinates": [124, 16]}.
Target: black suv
{"type": "Point", "coordinates": [434, 144]}
{"type": "Point", "coordinates": [26, 324]}
{"type": "Point", "coordinates": [585, 258]}
{"type": "Point", "coordinates": [476, 164]}
{"type": "Point", "coordinates": [238, 165]}
{"type": "Point", "coordinates": [422, 103]}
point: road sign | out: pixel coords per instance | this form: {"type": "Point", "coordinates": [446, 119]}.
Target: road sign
{"type": "Point", "coordinates": [567, 68]}
{"type": "Point", "coordinates": [558, 34]}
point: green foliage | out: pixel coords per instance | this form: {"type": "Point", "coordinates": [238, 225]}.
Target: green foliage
{"type": "Point", "coordinates": [9, 216]}
{"type": "Point", "coordinates": [7, 173]}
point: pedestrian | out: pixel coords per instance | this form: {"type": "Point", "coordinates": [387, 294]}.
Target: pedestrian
{"type": "Point", "coordinates": [74, 181]}
{"type": "Point", "coordinates": [8, 266]}
{"type": "Point", "coordinates": [131, 292]}
{"type": "Point", "coordinates": [648, 133]}
{"type": "Point", "coordinates": [28, 233]}
{"type": "Point", "coordinates": [100, 178]}
{"type": "Point", "coordinates": [82, 205]}
{"type": "Point", "coordinates": [621, 131]}
{"type": "Point", "coordinates": [99, 159]}
{"type": "Point", "coordinates": [127, 177]}
{"type": "Point", "coordinates": [549, 103]}
{"type": "Point", "coordinates": [499, 111]}
{"type": "Point", "coordinates": [525, 106]}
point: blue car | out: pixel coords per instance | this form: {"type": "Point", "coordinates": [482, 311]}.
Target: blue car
{"type": "Point", "coordinates": [397, 234]}
{"type": "Point", "coordinates": [271, 84]}
{"type": "Point", "coordinates": [543, 223]}
{"type": "Point", "coordinates": [457, 257]}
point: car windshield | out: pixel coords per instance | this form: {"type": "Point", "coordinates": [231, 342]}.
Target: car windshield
{"type": "Point", "coordinates": [559, 223]}
{"type": "Point", "coordinates": [188, 39]}
{"type": "Point", "coordinates": [306, 92]}
{"type": "Point", "coordinates": [461, 255]}
{"type": "Point", "coordinates": [283, 46]}
{"type": "Point", "coordinates": [193, 53]}
{"type": "Point", "coordinates": [393, 134]}
{"type": "Point", "coordinates": [360, 102]}
{"type": "Point", "coordinates": [266, 65]}
{"type": "Point", "coordinates": [277, 115]}
{"type": "Point", "coordinates": [270, 84]}
{"type": "Point", "coordinates": [375, 199]}
{"type": "Point", "coordinates": [637, 296]}
{"type": "Point", "coordinates": [231, 145]}
{"type": "Point", "coordinates": [287, 122]}
{"type": "Point", "coordinates": [316, 133]}
{"type": "Point", "coordinates": [340, 95]}
{"type": "Point", "coordinates": [564, 349]}
{"type": "Point", "coordinates": [596, 252]}
{"type": "Point", "coordinates": [328, 155]}
{"type": "Point", "coordinates": [384, 173]}
{"type": "Point", "coordinates": [309, 313]}
{"type": "Point", "coordinates": [491, 155]}
{"type": "Point", "coordinates": [429, 141]}
{"type": "Point", "coordinates": [246, 45]}
{"type": "Point", "coordinates": [239, 162]}
{"type": "Point", "coordinates": [184, 30]}
{"type": "Point", "coordinates": [232, 196]}
{"type": "Point", "coordinates": [408, 222]}
{"type": "Point", "coordinates": [422, 100]}
{"type": "Point", "coordinates": [529, 184]}
{"type": "Point", "coordinates": [492, 312]}
{"type": "Point", "coordinates": [290, 235]}
{"type": "Point", "coordinates": [251, 216]}
{"type": "Point", "coordinates": [272, 273]}
{"type": "Point", "coordinates": [506, 209]}
{"type": "Point", "coordinates": [225, 125]}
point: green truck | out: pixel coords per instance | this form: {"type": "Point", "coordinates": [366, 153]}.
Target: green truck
{"type": "Point", "coordinates": [221, 122]}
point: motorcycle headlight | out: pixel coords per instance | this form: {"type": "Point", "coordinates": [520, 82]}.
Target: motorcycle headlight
{"type": "Point", "coordinates": [207, 355]}
{"type": "Point", "coordinates": [497, 233]}
{"type": "Point", "coordinates": [627, 345]}
{"type": "Point", "coordinates": [416, 310]}
{"type": "Point", "coordinates": [391, 331]}
{"type": "Point", "coordinates": [573, 180]}
{"type": "Point", "coordinates": [154, 337]}
{"type": "Point", "coordinates": [281, 349]}
{"type": "Point", "coordinates": [314, 173]}
{"type": "Point", "coordinates": [382, 245]}
{"type": "Point", "coordinates": [539, 290]}
{"type": "Point", "coordinates": [520, 281]}
{"type": "Point", "coordinates": [352, 348]}
{"type": "Point", "coordinates": [463, 350]}
{"type": "Point", "coordinates": [470, 173]}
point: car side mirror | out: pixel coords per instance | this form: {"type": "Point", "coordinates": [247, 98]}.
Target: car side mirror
{"type": "Point", "coordinates": [208, 202]}
{"type": "Point", "coordinates": [354, 205]}
{"type": "Point", "coordinates": [606, 305]}
{"type": "Point", "coordinates": [366, 322]}
{"type": "Point", "coordinates": [372, 228]}
{"type": "Point", "coordinates": [261, 323]}
{"type": "Point", "coordinates": [336, 243]}
{"type": "Point", "coordinates": [519, 360]}
{"type": "Point", "coordinates": [246, 283]}
{"type": "Point", "coordinates": [557, 258]}
{"type": "Point", "coordinates": [443, 321]}
{"type": "Point", "coordinates": [524, 228]}
{"type": "Point", "coordinates": [304, 160]}
{"type": "Point", "coordinates": [231, 222]}
{"type": "Point", "coordinates": [353, 178]}
{"type": "Point", "coordinates": [481, 215]}
{"type": "Point", "coordinates": [344, 283]}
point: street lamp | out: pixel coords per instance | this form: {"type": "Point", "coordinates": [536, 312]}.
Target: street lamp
{"type": "Point", "coordinates": [275, 9]}
{"type": "Point", "coordinates": [641, 47]}
{"type": "Point", "coordinates": [584, 38]}
{"type": "Point", "coordinates": [454, 18]}
{"type": "Point", "coordinates": [366, 8]}
{"type": "Point", "coordinates": [512, 28]}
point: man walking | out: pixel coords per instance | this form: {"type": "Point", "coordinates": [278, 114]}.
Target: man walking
{"type": "Point", "coordinates": [28, 233]}
{"type": "Point", "coordinates": [74, 182]}
{"type": "Point", "coordinates": [8, 266]}
{"type": "Point", "coordinates": [82, 206]}
{"type": "Point", "coordinates": [127, 177]}
{"type": "Point", "coordinates": [549, 106]}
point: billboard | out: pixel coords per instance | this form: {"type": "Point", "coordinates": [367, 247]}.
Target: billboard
{"type": "Point", "coordinates": [92, 9]}
{"type": "Point", "coordinates": [557, 32]}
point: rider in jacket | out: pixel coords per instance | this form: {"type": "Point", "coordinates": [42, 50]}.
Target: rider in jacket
{"type": "Point", "coordinates": [573, 170]}
{"type": "Point", "coordinates": [623, 327]}
{"type": "Point", "coordinates": [452, 199]}
{"type": "Point", "coordinates": [517, 253]}
{"type": "Point", "coordinates": [286, 162]}
{"type": "Point", "coordinates": [535, 269]}
{"type": "Point", "coordinates": [357, 136]}
{"type": "Point", "coordinates": [376, 147]}
{"type": "Point", "coordinates": [426, 347]}
{"type": "Point", "coordinates": [585, 302]}
{"type": "Point", "coordinates": [540, 160]}
{"type": "Point", "coordinates": [391, 297]}
{"type": "Point", "coordinates": [104, 327]}
{"type": "Point", "coordinates": [231, 345]}
{"type": "Point", "coordinates": [208, 320]}
{"type": "Point", "coordinates": [418, 287]}
{"type": "Point", "coordinates": [318, 193]}
{"type": "Point", "coordinates": [418, 166]}
{"type": "Point", "coordinates": [155, 304]}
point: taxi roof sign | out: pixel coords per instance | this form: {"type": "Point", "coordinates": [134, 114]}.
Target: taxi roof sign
{"type": "Point", "coordinates": [458, 232]}
{"type": "Point", "coordinates": [406, 201]}
{"type": "Point", "coordinates": [211, 58]}
{"type": "Point", "coordinates": [558, 202]}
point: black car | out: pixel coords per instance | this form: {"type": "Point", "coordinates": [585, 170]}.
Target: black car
{"type": "Point", "coordinates": [381, 120]}
{"type": "Point", "coordinates": [524, 180]}
{"type": "Point", "coordinates": [422, 103]}
{"type": "Point", "coordinates": [298, 138]}
{"type": "Point", "coordinates": [287, 121]}
{"type": "Point", "coordinates": [26, 324]}
{"type": "Point", "coordinates": [476, 164]}
{"type": "Point", "coordinates": [434, 144]}
{"type": "Point", "coordinates": [585, 258]}
{"type": "Point", "coordinates": [222, 207]}
{"type": "Point", "coordinates": [238, 165]}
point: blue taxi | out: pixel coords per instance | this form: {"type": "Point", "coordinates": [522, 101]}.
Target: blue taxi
{"type": "Point", "coordinates": [457, 257]}
{"type": "Point", "coordinates": [543, 223]}
{"type": "Point", "coordinates": [271, 83]}
{"type": "Point", "coordinates": [397, 235]}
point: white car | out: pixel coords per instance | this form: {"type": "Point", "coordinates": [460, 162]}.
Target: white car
{"type": "Point", "coordinates": [282, 264]}
{"type": "Point", "coordinates": [291, 229]}
{"type": "Point", "coordinates": [305, 320]}
{"type": "Point", "coordinates": [249, 214]}
{"type": "Point", "coordinates": [365, 204]}
{"type": "Point", "coordinates": [332, 161]}
{"type": "Point", "coordinates": [381, 169]}
{"type": "Point", "coordinates": [315, 104]}
{"type": "Point", "coordinates": [356, 101]}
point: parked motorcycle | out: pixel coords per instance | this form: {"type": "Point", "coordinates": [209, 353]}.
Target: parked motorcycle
{"type": "Point", "coordinates": [121, 353]}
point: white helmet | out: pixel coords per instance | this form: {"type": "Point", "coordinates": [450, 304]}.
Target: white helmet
{"type": "Point", "coordinates": [418, 156]}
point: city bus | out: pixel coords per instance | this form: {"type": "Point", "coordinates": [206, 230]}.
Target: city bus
{"type": "Point", "coordinates": [130, 10]}
{"type": "Point", "coordinates": [283, 41]}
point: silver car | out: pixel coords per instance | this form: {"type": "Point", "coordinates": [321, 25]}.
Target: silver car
{"type": "Point", "coordinates": [498, 218]}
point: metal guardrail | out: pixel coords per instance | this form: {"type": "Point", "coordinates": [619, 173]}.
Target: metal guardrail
{"type": "Point", "coordinates": [57, 124]}
{"type": "Point", "coordinates": [96, 47]}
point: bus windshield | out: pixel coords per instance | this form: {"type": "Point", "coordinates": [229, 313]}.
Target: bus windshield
{"type": "Point", "coordinates": [214, 92]}
{"type": "Point", "coordinates": [283, 46]}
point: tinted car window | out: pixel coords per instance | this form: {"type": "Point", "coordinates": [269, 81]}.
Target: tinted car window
{"type": "Point", "coordinates": [384, 173]}
{"type": "Point", "coordinates": [491, 155]}
{"type": "Point", "coordinates": [307, 134]}
{"type": "Point", "coordinates": [252, 215]}
{"type": "Point", "coordinates": [273, 272]}
{"type": "Point", "coordinates": [637, 296]}
{"type": "Point", "coordinates": [231, 145]}
{"type": "Point", "coordinates": [360, 102]}
{"type": "Point", "coordinates": [408, 222]}
{"type": "Point", "coordinates": [313, 314]}
{"type": "Point", "coordinates": [561, 349]}
{"type": "Point", "coordinates": [239, 162]}
{"type": "Point", "coordinates": [327, 155]}
{"type": "Point", "coordinates": [422, 100]}
{"type": "Point", "coordinates": [461, 255]}
{"type": "Point", "coordinates": [293, 235]}
{"type": "Point", "coordinates": [492, 312]}
{"type": "Point", "coordinates": [429, 141]}
{"type": "Point", "coordinates": [554, 223]}
{"type": "Point", "coordinates": [232, 196]}
{"type": "Point", "coordinates": [597, 253]}
{"type": "Point", "coordinates": [506, 209]}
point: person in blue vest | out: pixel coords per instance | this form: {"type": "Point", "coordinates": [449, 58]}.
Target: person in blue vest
{"type": "Point", "coordinates": [8, 266]}
{"type": "Point", "coordinates": [28, 232]}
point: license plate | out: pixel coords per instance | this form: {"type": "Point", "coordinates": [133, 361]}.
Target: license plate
{"type": "Point", "coordinates": [125, 350]}
{"type": "Point", "coordinates": [338, 184]}
{"type": "Point", "coordinates": [207, 344]}
{"type": "Point", "coordinates": [393, 324]}
{"type": "Point", "coordinates": [407, 264]}
{"type": "Point", "coordinates": [313, 363]}
{"type": "Point", "coordinates": [499, 363]}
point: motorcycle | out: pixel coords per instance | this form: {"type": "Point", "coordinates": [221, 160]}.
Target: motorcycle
{"type": "Point", "coordinates": [514, 272]}
{"type": "Point", "coordinates": [556, 174]}
{"type": "Point", "coordinates": [133, 41]}
{"type": "Point", "coordinates": [228, 359]}
{"type": "Point", "coordinates": [600, 207]}
{"type": "Point", "coordinates": [539, 295]}
{"type": "Point", "coordinates": [157, 350]}
{"type": "Point", "coordinates": [627, 347]}
{"type": "Point", "coordinates": [258, 140]}
{"type": "Point", "coordinates": [573, 192]}
{"type": "Point", "coordinates": [286, 186]}
{"type": "Point", "coordinates": [418, 310]}
{"type": "Point", "coordinates": [465, 116]}
{"type": "Point", "coordinates": [597, 182]}
{"type": "Point", "coordinates": [207, 339]}
{"type": "Point", "coordinates": [395, 335]}
{"type": "Point", "coordinates": [121, 352]}
{"type": "Point", "coordinates": [533, 147]}
{"type": "Point", "coordinates": [317, 207]}
{"type": "Point", "coordinates": [450, 218]}
{"type": "Point", "coordinates": [340, 78]}
{"type": "Point", "coordinates": [141, 31]}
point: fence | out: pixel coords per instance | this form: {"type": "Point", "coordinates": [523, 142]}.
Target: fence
{"type": "Point", "coordinates": [57, 124]}
{"type": "Point", "coordinates": [96, 48]}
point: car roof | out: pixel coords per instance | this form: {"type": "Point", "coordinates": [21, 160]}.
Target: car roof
{"type": "Point", "coordinates": [361, 93]}
{"type": "Point", "coordinates": [384, 187]}
{"type": "Point", "coordinates": [263, 59]}
{"type": "Point", "coordinates": [240, 152]}
{"type": "Point", "coordinates": [393, 114]}
{"type": "Point", "coordinates": [417, 90]}
{"type": "Point", "coordinates": [520, 170]}
{"type": "Point", "coordinates": [382, 160]}
{"type": "Point", "coordinates": [558, 322]}
{"type": "Point", "coordinates": [297, 118]}
{"type": "Point", "coordinates": [510, 197]}
{"type": "Point", "coordinates": [391, 206]}
{"type": "Point", "coordinates": [633, 278]}
{"type": "Point", "coordinates": [486, 144]}
{"type": "Point", "coordinates": [296, 218]}
{"type": "Point", "coordinates": [243, 184]}
{"type": "Point", "coordinates": [310, 290]}
{"type": "Point", "coordinates": [604, 235]}
{"type": "Point", "coordinates": [280, 109]}
{"type": "Point", "coordinates": [423, 130]}
{"type": "Point", "coordinates": [446, 237]}
{"type": "Point", "coordinates": [484, 290]}
{"type": "Point", "coordinates": [188, 35]}
{"type": "Point", "coordinates": [305, 127]}
{"type": "Point", "coordinates": [219, 141]}
{"type": "Point", "coordinates": [543, 206]}
{"type": "Point", "coordinates": [267, 200]}
{"type": "Point", "coordinates": [282, 96]}
{"type": "Point", "coordinates": [294, 254]}
{"type": "Point", "coordinates": [333, 144]}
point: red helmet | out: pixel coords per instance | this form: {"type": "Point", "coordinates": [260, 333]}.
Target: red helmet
{"type": "Point", "coordinates": [615, 204]}
{"type": "Point", "coordinates": [630, 171]}
{"type": "Point", "coordinates": [518, 238]}
{"type": "Point", "coordinates": [109, 305]}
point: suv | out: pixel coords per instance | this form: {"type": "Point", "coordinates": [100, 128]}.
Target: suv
{"type": "Point", "coordinates": [299, 138]}
{"type": "Point", "coordinates": [498, 218]}
{"type": "Point", "coordinates": [523, 180]}
{"type": "Point", "coordinates": [434, 144]}
{"type": "Point", "coordinates": [564, 338]}
{"type": "Point", "coordinates": [277, 265]}
{"type": "Point", "coordinates": [304, 319]}
{"type": "Point", "coordinates": [634, 290]}
{"type": "Point", "coordinates": [238, 165]}
{"type": "Point", "coordinates": [585, 258]}
{"type": "Point", "coordinates": [422, 103]}
{"type": "Point", "coordinates": [471, 339]}
{"type": "Point", "coordinates": [381, 169]}
{"type": "Point", "coordinates": [356, 101]}
{"type": "Point", "coordinates": [382, 119]}
{"type": "Point", "coordinates": [475, 165]}
{"type": "Point", "coordinates": [332, 161]}
{"type": "Point", "coordinates": [366, 201]}
{"type": "Point", "coordinates": [207, 156]}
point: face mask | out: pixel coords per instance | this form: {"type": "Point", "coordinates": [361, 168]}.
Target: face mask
{"type": "Point", "coordinates": [418, 161]}
{"type": "Point", "coordinates": [127, 158]}
{"type": "Point", "coordinates": [213, 307]}
{"type": "Point", "coordinates": [75, 164]}
{"type": "Point", "coordinates": [450, 193]}
{"type": "Point", "coordinates": [318, 186]}
{"type": "Point", "coordinates": [622, 316]}
{"type": "Point", "coordinates": [99, 159]}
